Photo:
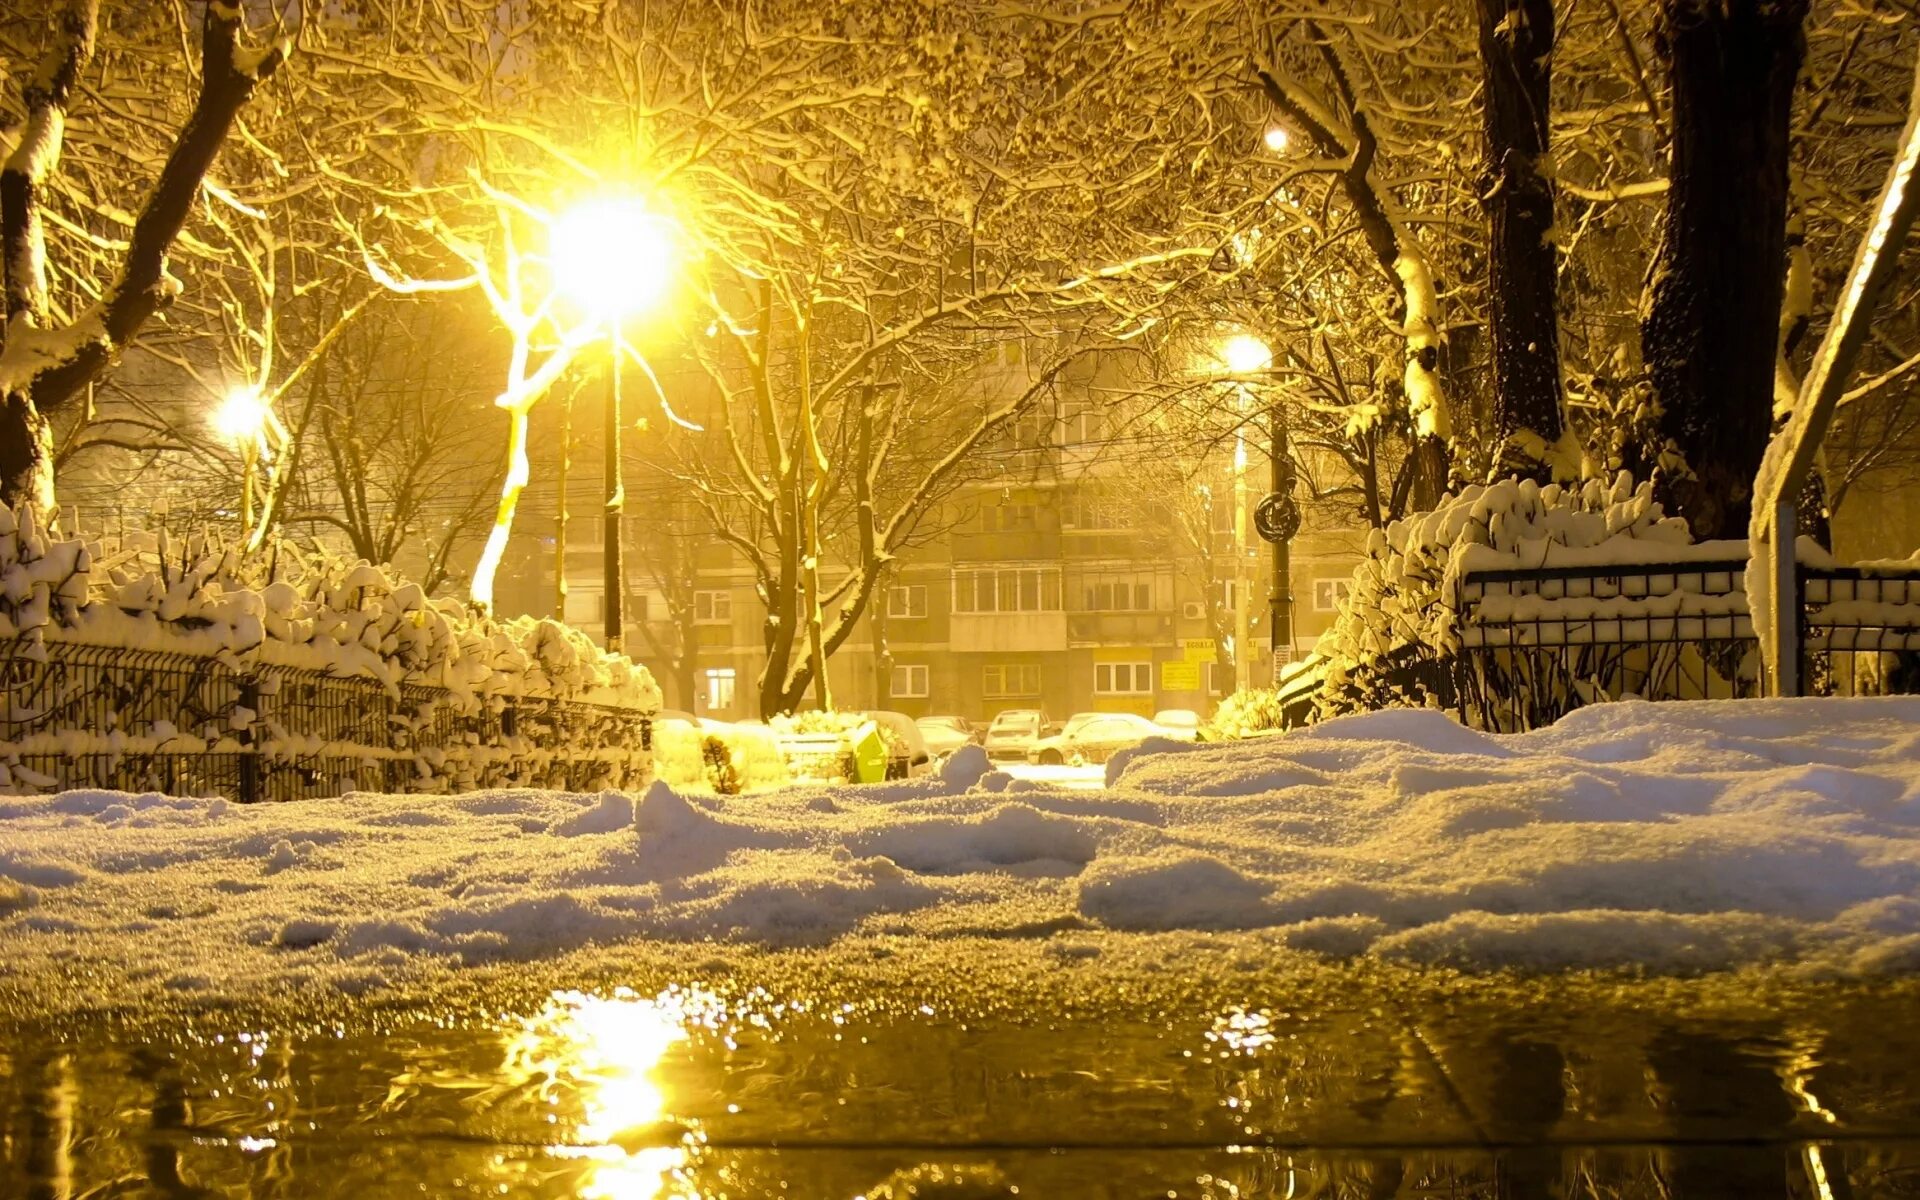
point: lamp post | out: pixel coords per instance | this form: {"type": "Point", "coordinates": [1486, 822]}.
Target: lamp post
{"type": "Point", "coordinates": [245, 418]}
{"type": "Point", "coordinates": [1243, 354]}
{"type": "Point", "coordinates": [614, 257]}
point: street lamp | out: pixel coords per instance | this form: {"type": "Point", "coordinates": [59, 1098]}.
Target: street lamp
{"type": "Point", "coordinates": [1276, 138]}
{"type": "Point", "coordinates": [245, 418]}
{"type": "Point", "coordinates": [1242, 354]}
{"type": "Point", "coordinates": [614, 257]}
{"type": "Point", "coordinates": [1278, 517]}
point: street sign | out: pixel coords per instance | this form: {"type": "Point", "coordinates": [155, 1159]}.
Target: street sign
{"type": "Point", "coordinates": [1276, 517]}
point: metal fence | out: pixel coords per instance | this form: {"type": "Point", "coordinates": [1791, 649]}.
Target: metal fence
{"type": "Point", "coordinates": [77, 715]}
{"type": "Point", "coordinates": [1535, 644]}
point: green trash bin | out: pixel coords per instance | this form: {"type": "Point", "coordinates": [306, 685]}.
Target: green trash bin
{"type": "Point", "coordinates": [869, 753]}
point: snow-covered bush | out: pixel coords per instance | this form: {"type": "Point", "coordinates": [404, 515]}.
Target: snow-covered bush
{"type": "Point", "coordinates": [683, 759]}
{"type": "Point", "coordinates": [455, 697]}
{"type": "Point", "coordinates": [352, 619]}
{"type": "Point", "coordinates": [1396, 640]}
{"type": "Point", "coordinates": [1247, 714]}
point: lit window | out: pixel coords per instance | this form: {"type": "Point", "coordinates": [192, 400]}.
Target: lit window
{"type": "Point", "coordinates": [909, 681]}
{"type": "Point", "coordinates": [720, 689]}
{"type": "Point", "coordinates": [714, 608]}
{"type": "Point", "coordinates": [1329, 594]}
{"type": "Point", "coordinates": [907, 602]}
{"type": "Point", "coordinates": [1123, 679]}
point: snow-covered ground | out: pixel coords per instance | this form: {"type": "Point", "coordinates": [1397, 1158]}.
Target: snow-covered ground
{"type": "Point", "coordinates": [1678, 836]}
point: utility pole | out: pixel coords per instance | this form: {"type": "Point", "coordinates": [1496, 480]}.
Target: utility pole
{"type": "Point", "coordinates": [616, 575]}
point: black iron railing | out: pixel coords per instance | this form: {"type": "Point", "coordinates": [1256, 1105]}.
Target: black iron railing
{"type": "Point", "coordinates": [1535, 644]}
{"type": "Point", "coordinates": [76, 715]}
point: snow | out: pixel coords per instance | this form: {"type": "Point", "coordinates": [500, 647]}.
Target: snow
{"type": "Point", "coordinates": [1666, 837]}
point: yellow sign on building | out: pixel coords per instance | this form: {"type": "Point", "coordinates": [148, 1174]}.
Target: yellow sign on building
{"type": "Point", "coordinates": [1179, 676]}
{"type": "Point", "coordinates": [1197, 650]}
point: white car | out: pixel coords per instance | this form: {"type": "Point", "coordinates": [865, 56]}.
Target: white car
{"type": "Point", "coordinates": [1093, 737]}
{"type": "Point", "coordinates": [1182, 724]}
{"type": "Point", "coordinates": [946, 734]}
{"type": "Point", "coordinates": [1014, 732]}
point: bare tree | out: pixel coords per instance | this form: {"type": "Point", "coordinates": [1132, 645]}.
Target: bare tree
{"type": "Point", "coordinates": [48, 360]}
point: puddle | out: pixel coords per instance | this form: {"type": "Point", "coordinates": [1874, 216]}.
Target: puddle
{"type": "Point", "coordinates": [682, 1092]}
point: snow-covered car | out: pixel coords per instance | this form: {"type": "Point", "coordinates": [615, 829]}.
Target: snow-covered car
{"type": "Point", "coordinates": [1180, 723]}
{"type": "Point", "coordinates": [1014, 732]}
{"type": "Point", "coordinates": [908, 754]}
{"type": "Point", "coordinates": [944, 735]}
{"type": "Point", "coordinates": [1093, 737]}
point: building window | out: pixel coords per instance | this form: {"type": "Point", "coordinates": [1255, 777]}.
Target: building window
{"type": "Point", "coordinates": [713, 608]}
{"type": "Point", "coordinates": [907, 602]}
{"type": "Point", "coordinates": [1092, 511]}
{"type": "Point", "coordinates": [1123, 679]}
{"type": "Point", "coordinates": [586, 607]}
{"type": "Point", "coordinates": [1006, 590]}
{"type": "Point", "coordinates": [1009, 518]}
{"type": "Point", "coordinates": [909, 682]}
{"type": "Point", "coordinates": [1081, 422]}
{"type": "Point", "coordinates": [720, 682]}
{"type": "Point", "coordinates": [1003, 680]}
{"type": "Point", "coordinates": [1329, 594]}
{"type": "Point", "coordinates": [1118, 593]}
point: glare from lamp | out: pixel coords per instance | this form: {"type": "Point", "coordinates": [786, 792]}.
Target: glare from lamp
{"type": "Point", "coordinates": [1276, 138]}
{"type": "Point", "coordinates": [1245, 354]}
{"type": "Point", "coordinates": [612, 256]}
{"type": "Point", "coordinates": [242, 416]}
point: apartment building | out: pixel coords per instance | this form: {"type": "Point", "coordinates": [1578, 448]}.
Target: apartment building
{"type": "Point", "coordinates": [1070, 578]}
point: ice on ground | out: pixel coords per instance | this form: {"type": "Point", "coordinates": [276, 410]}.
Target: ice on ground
{"type": "Point", "coordinates": [1674, 837]}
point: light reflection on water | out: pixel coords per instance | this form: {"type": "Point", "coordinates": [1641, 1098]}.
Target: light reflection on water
{"type": "Point", "coordinates": [595, 1061]}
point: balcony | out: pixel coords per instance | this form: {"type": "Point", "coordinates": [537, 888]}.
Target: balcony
{"type": "Point", "coordinates": [1007, 632]}
{"type": "Point", "coordinates": [1119, 628]}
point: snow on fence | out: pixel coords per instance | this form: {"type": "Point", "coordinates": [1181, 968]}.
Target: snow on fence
{"type": "Point", "coordinates": [1536, 643]}
{"type": "Point", "coordinates": [78, 715]}
{"type": "Point", "coordinates": [195, 669]}
{"type": "Point", "coordinates": [1513, 604]}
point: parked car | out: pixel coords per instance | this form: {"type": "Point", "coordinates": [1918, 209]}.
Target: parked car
{"type": "Point", "coordinates": [944, 735]}
{"type": "Point", "coordinates": [1092, 737]}
{"type": "Point", "coordinates": [915, 759]}
{"type": "Point", "coordinates": [1180, 723]}
{"type": "Point", "coordinates": [1014, 732]}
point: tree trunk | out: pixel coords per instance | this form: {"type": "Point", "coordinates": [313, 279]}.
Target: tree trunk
{"type": "Point", "coordinates": [1714, 311]}
{"type": "Point", "coordinates": [1516, 56]}
{"type": "Point", "coordinates": [26, 455]}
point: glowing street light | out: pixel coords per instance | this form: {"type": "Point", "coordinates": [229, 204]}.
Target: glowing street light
{"type": "Point", "coordinates": [242, 416]}
{"type": "Point", "coordinates": [245, 418]}
{"type": "Point", "coordinates": [1245, 354]}
{"type": "Point", "coordinates": [614, 257]}
{"type": "Point", "coordinates": [1276, 138]}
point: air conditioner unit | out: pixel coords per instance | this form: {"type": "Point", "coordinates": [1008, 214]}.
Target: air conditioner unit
{"type": "Point", "coordinates": [1193, 610]}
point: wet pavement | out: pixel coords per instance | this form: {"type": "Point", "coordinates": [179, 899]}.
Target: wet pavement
{"type": "Point", "coordinates": [1479, 1090]}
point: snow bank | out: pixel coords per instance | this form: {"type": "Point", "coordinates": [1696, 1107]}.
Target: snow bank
{"type": "Point", "coordinates": [1671, 836]}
